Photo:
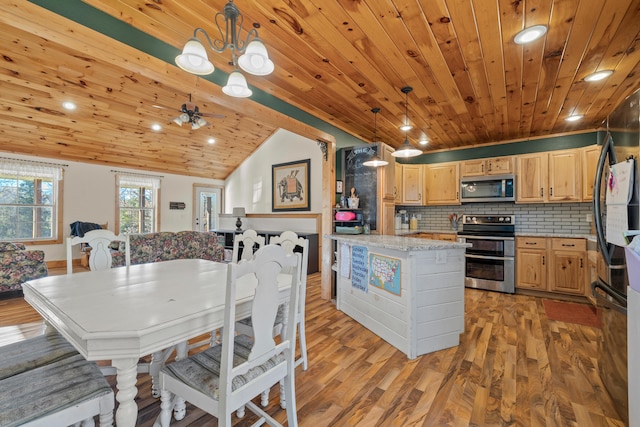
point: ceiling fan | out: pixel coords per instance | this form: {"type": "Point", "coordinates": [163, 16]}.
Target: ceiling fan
{"type": "Point", "coordinates": [191, 114]}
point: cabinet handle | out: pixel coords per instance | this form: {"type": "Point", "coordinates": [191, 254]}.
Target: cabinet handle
{"type": "Point", "coordinates": [395, 192]}
{"type": "Point", "coordinates": [543, 261]}
{"type": "Point", "coordinates": [489, 166]}
{"type": "Point", "coordinates": [457, 196]}
{"type": "Point", "coordinates": [581, 266]}
{"type": "Point", "coordinates": [419, 196]}
{"type": "Point", "coordinates": [541, 192]}
{"type": "Point", "coordinates": [531, 243]}
{"type": "Point", "coordinates": [483, 168]}
{"type": "Point", "coordinates": [551, 191]}
{"type": "Point", "coordinates": [569, 245]}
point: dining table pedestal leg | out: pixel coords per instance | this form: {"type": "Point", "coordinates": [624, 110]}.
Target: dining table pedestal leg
{"type": "Point", "coordinates": [127, 413]}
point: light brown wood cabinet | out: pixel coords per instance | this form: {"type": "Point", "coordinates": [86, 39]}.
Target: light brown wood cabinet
{"type": "Point", "coordinates": [412, 185]}
{"type": "Point", "coordinates": [551, 264]}
{"type": "Point", "coordinates": [531, 263]}
{"type": "Point", "coordinates": [568, 266]}
{"type": "Point", "coordinates": [553, 176]}
{"type": "Point", "coordinates": [492, 166]}
{"type": "Point", "coordinates": [388, 173]}
{"type": "Point", "coordinates": [589, 163]}
{"type": "Point", "coordinates": [442, 183]}
{"type": "Point", "coordinates": [397, 192]}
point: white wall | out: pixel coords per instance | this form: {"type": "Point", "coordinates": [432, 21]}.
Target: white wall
{"type": "Point", "coordinates": [90, 196]}
{"type": "Point", "coordinates": [250, 184]}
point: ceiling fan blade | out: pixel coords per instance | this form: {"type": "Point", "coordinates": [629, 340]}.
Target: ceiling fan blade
{"type": "Point", "coordinates": [214, 115]}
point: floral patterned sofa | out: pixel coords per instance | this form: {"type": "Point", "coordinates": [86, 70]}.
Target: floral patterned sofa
{"type": "Point", "coordinates": [168, 245]}
{"type": "Point", "coordinates": [19, 265]}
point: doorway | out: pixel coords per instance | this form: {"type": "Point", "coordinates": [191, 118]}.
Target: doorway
{"type": "Point", "coordinates": [207, 204]}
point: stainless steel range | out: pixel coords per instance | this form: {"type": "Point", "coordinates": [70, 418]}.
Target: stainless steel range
{"type": "Point", "coordinates": [490, 261]}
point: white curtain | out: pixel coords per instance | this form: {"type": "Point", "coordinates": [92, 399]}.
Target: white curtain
{"type": "Point", "coordinates": [27, 169]}
{"type": "Point", "coordinates": [147, 181]}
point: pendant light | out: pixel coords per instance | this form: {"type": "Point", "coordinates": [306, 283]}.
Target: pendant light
{"type": "Point", "coordinates": [375, 161]}
{"type": "Point", "coordinates": [406, 149]}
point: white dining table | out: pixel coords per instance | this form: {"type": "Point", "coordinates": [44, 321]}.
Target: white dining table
{"type": "Point", "coordinates": [124, 313]}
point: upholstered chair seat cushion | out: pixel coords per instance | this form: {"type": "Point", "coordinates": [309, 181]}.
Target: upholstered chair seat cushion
{"type": "Point", "coordinates": [202, 370]}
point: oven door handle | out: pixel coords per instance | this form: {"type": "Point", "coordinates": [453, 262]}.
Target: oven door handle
{"type": "Point", "coordinates": [465, 236]}
{"type": "Point", "coordinates": [496, 258]}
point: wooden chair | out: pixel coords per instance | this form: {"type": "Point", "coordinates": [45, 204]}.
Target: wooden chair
{"type": "Point", "coordinates": [227, 376]}
{"type": "Point", "coordinates": [250, 243]}
{"type": "Point", "coordinates": [45, 382]}
{"type": "Point", "coordinates": [98, 240]}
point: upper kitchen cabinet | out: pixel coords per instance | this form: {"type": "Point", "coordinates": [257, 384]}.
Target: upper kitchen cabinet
{"type": "Point", "coordinates": [388, 173]}
{"type": "Point", "coordinates": [481, 167]}
{"type": "Point", "coordinates": [412, 185]}
{"type": "Point", "coordinates": [442, 183]}
{"type": "Point", "coordinates": [397, 192]}
{"type": "Point", "coordinates": [589, 163]}
{"type": "Point", "coordinates": [553, 176]}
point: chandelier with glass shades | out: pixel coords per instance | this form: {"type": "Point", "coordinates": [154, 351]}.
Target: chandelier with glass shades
{"type": "Point", "coordinates": [250, 54]}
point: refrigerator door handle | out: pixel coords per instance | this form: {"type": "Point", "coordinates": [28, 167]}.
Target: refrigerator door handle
{"type": "Point", "coordinates": [607, 152]}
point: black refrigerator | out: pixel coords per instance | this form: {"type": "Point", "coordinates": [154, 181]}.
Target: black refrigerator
{"type": "Point", "coordinates": [615, 209]}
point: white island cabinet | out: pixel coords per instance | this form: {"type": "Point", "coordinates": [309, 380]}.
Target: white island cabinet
{"type": "Point", "coordinates": [409, 291]}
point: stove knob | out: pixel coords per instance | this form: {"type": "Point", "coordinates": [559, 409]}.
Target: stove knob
{"type": "Point", "coordinates": [501, 219]}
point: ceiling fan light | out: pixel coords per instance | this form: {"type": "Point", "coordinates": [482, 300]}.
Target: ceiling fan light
{"type": "Point", "coordinates": [530, 34]}
{"type": "Point", "coordinates": [195, 126]}
{"type": "Point", "coordinates": [178, 121]}
{"type": "Point", "coordinates": [598, 75]}
{"type": "Point", "coordinates": [256, 59]}
{"type": "Point", "coordinates": [237, 86]}
{"type": "Point", "coordinates": [194, 58]}
{"type": "Point", "coordinates": [184, 117]}
{"type": "Point", "coordinates": [201, 122]}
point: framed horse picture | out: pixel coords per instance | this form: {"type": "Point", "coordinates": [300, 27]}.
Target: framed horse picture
{"type": "Point", "coordinates": [290, 186]}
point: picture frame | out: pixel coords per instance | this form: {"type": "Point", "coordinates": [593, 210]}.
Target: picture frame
{"type": "Point", "coordinates": [290, 185]}
{"type": "Point", "coordinates": [339, 187]}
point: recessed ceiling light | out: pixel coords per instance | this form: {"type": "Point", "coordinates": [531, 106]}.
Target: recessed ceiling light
{"type": "Point", "coordinates": [156, 127]}
{"type": "Point", "coordinates": [530, 34]}
{"type": "Point", "coordinates": [211, 140]}
{"type": "Point", "coordinates": [574, 117]}
{"type": "Point", "coordinates": [68, 105]}
{"type": "Point", "coordinates": [598, 75]}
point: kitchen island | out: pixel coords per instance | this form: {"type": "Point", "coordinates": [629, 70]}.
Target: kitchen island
{"type": "Point", "coordinates": [409, 291]}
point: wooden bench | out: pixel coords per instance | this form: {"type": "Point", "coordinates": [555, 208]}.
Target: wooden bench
{"type": "Point", "coordinates": [44, 381]}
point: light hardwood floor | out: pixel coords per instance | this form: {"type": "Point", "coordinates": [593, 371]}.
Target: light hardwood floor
{"type": "Point", "coordinates": [514, 367]}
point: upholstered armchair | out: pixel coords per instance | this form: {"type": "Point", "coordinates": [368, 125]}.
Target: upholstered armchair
{"type": "Point", "coordinates": [19, 265]}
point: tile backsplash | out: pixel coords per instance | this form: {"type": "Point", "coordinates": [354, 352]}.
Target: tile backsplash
{"type": "Point", "coordinates": [552, 218]}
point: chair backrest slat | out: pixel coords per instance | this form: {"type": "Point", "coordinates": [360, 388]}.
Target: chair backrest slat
{"type": "Point", "coordinates": [98, 240]}
{"type": "Point", "coordinates": [250, 241]}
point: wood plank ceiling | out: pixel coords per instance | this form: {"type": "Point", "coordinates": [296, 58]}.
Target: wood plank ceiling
{"type": "Point", "coordinates": [335, 60]}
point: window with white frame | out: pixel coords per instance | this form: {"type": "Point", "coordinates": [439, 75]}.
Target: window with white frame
{"type": "Point", "coordinates": [138, 200]}
{"type": "Point", "coordinates": [29, 208]}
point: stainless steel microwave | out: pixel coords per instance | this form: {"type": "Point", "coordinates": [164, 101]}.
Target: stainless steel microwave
{"type": "Point", "coordinates": [497, 188]}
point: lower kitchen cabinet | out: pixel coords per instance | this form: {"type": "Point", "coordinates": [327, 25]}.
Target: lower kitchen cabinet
{"type": "Point", "coordinates": [551, 264]}
{"type": "Point", "coordinates": [531, 263]}
{"type": "Point", "coordinates": [568, 266]}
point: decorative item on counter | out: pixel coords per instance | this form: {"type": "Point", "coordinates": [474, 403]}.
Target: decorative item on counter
{"type": "Point", "coordinates": [413, 222]}
{"type": "Point", "coordinates": [367, 228]}
{"type": "Point", "coordinates": [398, 221]}
{"type": "Point", "coordinates": [354, 200]}
{"type": "Point", "coordinates": [454, 219]}
{"type": "Point", "coordinates": [343, 202]}
{"type": "Point", "coordinates": [404, 220]}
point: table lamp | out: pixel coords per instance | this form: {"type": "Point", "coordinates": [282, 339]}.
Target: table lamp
{"type": "Point", "coordinates": [239, 213]}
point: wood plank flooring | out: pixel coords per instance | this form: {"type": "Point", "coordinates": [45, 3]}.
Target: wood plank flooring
{"type": "Point", "coordinates": [514, 367]}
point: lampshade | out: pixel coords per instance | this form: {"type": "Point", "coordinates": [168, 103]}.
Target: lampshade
{"type": "Point", "coordinates": [376, 160]}
{"type": "Point", "coordinates": [238, 213]}
{"type": "Point", "coordinates": [194, 58]}
{"type": "Point", "coordinates": [406, 150]}
{"type": "Point", "coordinates": [256, 59]}
{"type": "Point", "coordinates": [237, 85]}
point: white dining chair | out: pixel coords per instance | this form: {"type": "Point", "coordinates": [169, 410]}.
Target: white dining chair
{"type": "Point", "coordinates": [251, 242]}
{"type": "Point", "coordinates": [227, 376]}
{"type": "Point", "coordinates": [98, 241]}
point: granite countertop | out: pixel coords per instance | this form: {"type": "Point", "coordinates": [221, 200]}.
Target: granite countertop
{"type": "Point", "coordinates": [401, 243]}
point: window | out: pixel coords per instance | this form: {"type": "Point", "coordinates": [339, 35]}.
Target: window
{"type": "Point", "coordinates": [137, 210]}
{"type": "Point", "coordinates": [29, 210]}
